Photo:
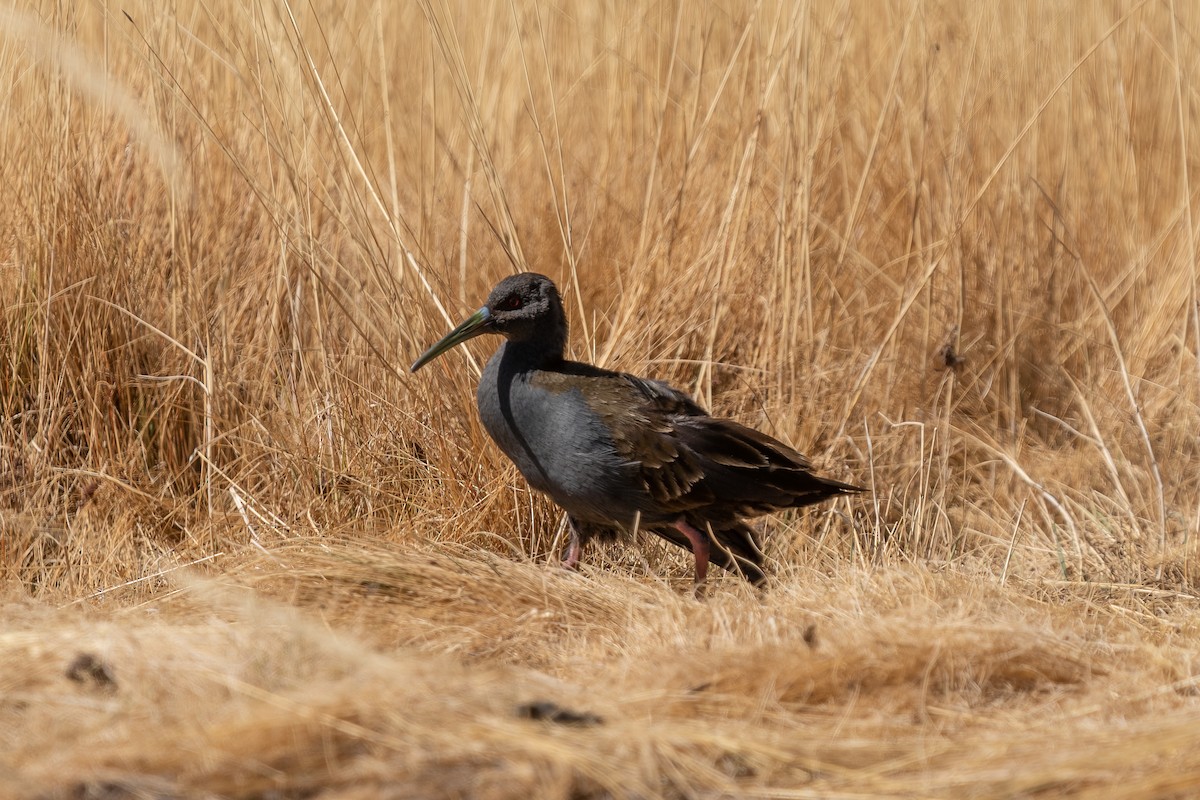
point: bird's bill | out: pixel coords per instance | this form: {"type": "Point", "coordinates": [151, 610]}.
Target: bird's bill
{"type": "Point", "coordinates": [471, 327]}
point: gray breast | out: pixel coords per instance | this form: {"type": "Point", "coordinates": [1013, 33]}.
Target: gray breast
{"type": "Point", "coordinates": [559, 444]}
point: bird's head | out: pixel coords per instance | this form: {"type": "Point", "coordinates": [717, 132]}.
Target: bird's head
{"type": "Point", "coordinates": [522, 308]}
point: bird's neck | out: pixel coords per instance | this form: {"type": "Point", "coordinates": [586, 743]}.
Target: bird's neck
{"type": "Point", "coordinates": [541, 351]}
{"type": "Point", "coordinates": [527, 355]}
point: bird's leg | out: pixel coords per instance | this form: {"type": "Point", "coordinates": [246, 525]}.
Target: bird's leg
{"type": "Point", "coordinates": [699, 547]}
{"type": "Point", "coordinates": [574, 551]}
{"type": "Point", "coordinates": [574, 546]}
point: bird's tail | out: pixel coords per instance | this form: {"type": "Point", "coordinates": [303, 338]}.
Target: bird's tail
{"type": "Point", "coordinates": [735, 547]}
{"type": "Point", "coordinates": [816, 490]}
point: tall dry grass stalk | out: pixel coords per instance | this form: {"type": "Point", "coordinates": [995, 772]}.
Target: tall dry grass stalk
{"type": "Point", "coordinates": [949, 250]}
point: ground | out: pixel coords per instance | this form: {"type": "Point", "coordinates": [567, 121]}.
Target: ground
{"type": "Point", "coordinates": [946, 250]}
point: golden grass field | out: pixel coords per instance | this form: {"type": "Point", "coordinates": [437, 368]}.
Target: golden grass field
{"type": "Point", "coordinates": [947, 249]}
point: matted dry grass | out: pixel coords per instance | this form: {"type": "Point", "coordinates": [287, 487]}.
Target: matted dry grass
{"type": "Point", "coordinates": [949, 251]}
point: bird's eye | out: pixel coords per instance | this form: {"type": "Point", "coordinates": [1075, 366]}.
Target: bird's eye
{"type": "Point", "coordinates": [510, 303]}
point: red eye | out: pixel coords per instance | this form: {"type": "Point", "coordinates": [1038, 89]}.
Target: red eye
{"type": "Point", "coordinates": [510, 303]}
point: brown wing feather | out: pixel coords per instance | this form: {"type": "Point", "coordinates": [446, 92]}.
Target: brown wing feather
{"type": "Point", "coordinates": [644, 431]}
{"type": "Point", "coordinates": [689, 461]}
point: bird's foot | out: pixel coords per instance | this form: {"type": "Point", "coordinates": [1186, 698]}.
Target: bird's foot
{"type": "Point", "coordinates": [574, 550]}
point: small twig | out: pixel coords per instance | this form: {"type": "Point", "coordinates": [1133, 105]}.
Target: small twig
{"type": "Point", "coordinates": [142, 579]}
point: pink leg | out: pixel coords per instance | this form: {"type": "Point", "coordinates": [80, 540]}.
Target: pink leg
{"type": "Point", "coordinates": [574, 549]}
{"type": "Point", "coordinates": [699, 547]}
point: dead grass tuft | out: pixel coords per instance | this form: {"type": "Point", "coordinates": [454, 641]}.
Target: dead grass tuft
{"type": "Point", "coordinates": [949, 251]}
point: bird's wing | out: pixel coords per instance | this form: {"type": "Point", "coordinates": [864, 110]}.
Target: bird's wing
{"type": "Point", "coordinates": [689, 460]}
{"type": "Point", "coordinates": [639, 416]}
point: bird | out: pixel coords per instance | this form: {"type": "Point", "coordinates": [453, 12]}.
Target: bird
{"type": "Point", "coordinates": [619, 453]}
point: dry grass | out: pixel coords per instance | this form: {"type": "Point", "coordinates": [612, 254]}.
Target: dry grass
{"type": "Point", "coordinates": [948, 250]}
